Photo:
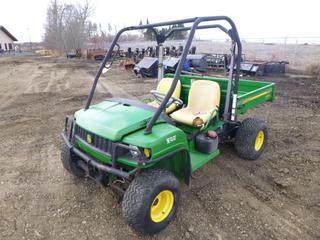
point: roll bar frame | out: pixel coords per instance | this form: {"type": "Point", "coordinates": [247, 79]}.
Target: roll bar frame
{"type": "Point", "coordinates": [232, 90]}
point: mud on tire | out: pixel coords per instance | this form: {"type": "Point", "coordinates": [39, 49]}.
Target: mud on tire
{"type": "Point", "coordinates": [141, 196]}
{"type": "Point", "coordinates": [251, 138]}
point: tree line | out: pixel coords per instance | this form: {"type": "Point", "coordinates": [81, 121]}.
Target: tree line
{"type": "Point", "coordinates": [149, 35]}
{"type": "Point", "coordinates": [68, 27]}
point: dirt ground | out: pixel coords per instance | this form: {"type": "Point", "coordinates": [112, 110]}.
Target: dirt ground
{"type": "Point", "coordinates": [275, 197]}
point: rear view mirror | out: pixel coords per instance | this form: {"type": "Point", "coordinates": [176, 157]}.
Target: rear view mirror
{"type": "Point", "coordinates": [106, 68]}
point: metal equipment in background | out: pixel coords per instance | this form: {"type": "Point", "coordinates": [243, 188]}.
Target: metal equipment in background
{"type": "Point", "coordinates": [147, 67]}
{"type": "Point", "coordinates": [217, 61]}
{"type": "Point", "coordinates": [170, 64]}
{"type": "Point", "coordinates": [96, 54]}
{"type": "Point", "coordinates": [76, 54]}
{"type": "Point", "coordinates": [262, 68]}
{"type": "Point", "coordinates": [198, 62]}
{"type": "Point", "coordinates": [274, 67]}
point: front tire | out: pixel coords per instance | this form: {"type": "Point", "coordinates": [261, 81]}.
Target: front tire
{"type": "Point", "coordinates": [69, 162]}
{"type": "Point", "coordinates": [151, 201]}
{"type": "Point", "coordinates": [251, 138]}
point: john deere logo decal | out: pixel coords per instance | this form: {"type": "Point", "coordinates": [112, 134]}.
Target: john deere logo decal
{"type": "Point", "coordinates": [89, 138]}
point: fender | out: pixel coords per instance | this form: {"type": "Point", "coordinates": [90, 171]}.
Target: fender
{"type": "Point", "coordinates": [178, 162]}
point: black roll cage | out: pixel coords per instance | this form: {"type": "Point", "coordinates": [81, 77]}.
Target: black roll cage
{"type": "Point", "coordinates": [229, 111]}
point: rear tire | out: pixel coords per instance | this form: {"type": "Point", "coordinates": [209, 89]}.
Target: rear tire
{"type": "Point", "coordinates": [151, 201]}
{"type": "Point", "coordinates": [69, 162]}
{"type": "Point", "coordinates": [251, 138]}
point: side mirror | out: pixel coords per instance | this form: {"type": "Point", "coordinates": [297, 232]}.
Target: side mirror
{"type": "Point", "coordinates": [106, 68]}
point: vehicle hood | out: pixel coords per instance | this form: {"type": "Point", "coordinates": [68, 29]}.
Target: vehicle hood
{"type": "Point", "coordinates": [113, 120]}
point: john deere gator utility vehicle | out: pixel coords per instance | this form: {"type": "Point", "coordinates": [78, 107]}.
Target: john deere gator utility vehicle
{"type": "Point", "coordinates": [144, 149]}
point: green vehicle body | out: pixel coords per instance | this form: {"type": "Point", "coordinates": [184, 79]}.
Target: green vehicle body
{"type": "Point", "coordinates": [171, 146]}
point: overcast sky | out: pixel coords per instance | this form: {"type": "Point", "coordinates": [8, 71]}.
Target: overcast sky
{"type": "Point", "coordinates": [254, 19]}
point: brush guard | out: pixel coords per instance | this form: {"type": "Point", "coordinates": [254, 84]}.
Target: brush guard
{"type": "Point", "coordinates": [93, 168]}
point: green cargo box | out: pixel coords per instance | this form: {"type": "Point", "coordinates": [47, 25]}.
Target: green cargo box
{"type": "Point", "coordinates": [250, 94]}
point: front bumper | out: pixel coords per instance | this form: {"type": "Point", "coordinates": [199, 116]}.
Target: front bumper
{"type": "Point", "coordinates": [88, 163]}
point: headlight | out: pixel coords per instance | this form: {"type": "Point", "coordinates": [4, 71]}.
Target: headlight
{"type": "Point", "coordinates": [134, 153]}
{"type": "Point", "coordinates": [137, 152]}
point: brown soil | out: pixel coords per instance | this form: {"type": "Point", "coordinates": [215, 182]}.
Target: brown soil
{"type": "Point", "coordinates": [275, 197]}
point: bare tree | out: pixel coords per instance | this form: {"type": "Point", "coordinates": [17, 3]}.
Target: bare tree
{"type": "Point", "coordinates": [67, 27]}
{"type": "Point", "coordinates": [109, 28]}
{"type": "Point", "coordinates": [51, 37]}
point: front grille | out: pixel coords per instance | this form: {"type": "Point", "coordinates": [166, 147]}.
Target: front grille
{"type": "Point", "coordinates": [98, 142]}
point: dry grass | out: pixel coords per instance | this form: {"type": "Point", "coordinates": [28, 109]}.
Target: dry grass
{"type": "Point", "coordinates": [314, 70]}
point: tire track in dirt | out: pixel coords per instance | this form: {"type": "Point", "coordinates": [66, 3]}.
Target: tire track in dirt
{"type": "Point", "coordinates": [16, 81]}
{"type": "Point", "coordinates": [58, 81]}
{"type": "Point", "coordinates": [114, 89]}
{"type": "Point", "coordinates": [35, 82]}
{"type": "Point", "coordinates": [66, 80]}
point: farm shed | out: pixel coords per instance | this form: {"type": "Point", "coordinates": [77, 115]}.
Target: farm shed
{"type": "Point", "coordinates": [6, 40]}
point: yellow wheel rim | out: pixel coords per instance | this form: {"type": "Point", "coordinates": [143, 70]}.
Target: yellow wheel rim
{"type": "Point", "coordinates": [259, 140]}
{"type": "Point", "coordinates": [161, 206]}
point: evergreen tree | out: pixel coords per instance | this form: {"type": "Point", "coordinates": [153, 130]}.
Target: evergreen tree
{"type": "Point", "coordinates": [141, 30]}
{"type": "Point", "coordinates": [148, 34]}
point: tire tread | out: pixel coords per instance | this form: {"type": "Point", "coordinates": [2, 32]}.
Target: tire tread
{"type": "Point", "coordinates": [134, 204]}
{"type": "Point", "coordinates": [245, 137]}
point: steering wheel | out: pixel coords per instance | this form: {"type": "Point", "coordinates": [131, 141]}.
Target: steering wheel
{"type": "Point", "coordinates": [158, 97]}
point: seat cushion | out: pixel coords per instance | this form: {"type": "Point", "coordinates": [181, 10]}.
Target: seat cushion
{"type": "Point", "coordinates": [204, 96]}
{"type": "Point", "coordinates": [186, 116]}
{"type": "Point", "coordinates": [163, 87]}
{"type": "Point", "coordinates": [204, 100]}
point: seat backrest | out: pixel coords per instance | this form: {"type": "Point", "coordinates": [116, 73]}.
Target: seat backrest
{"type": "Point", "coordinates": [204, 96]}
{"type": "Point", "coordinates": [165, 84]}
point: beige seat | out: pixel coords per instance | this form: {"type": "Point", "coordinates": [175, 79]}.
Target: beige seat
{"type": "Point", "coordinates": [163, 87]}
{"type": "Point", "coordinates": [203, 103]}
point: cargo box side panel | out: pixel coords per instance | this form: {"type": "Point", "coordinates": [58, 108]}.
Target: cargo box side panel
{"type": "Point", "coordinates": [254, 98]}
